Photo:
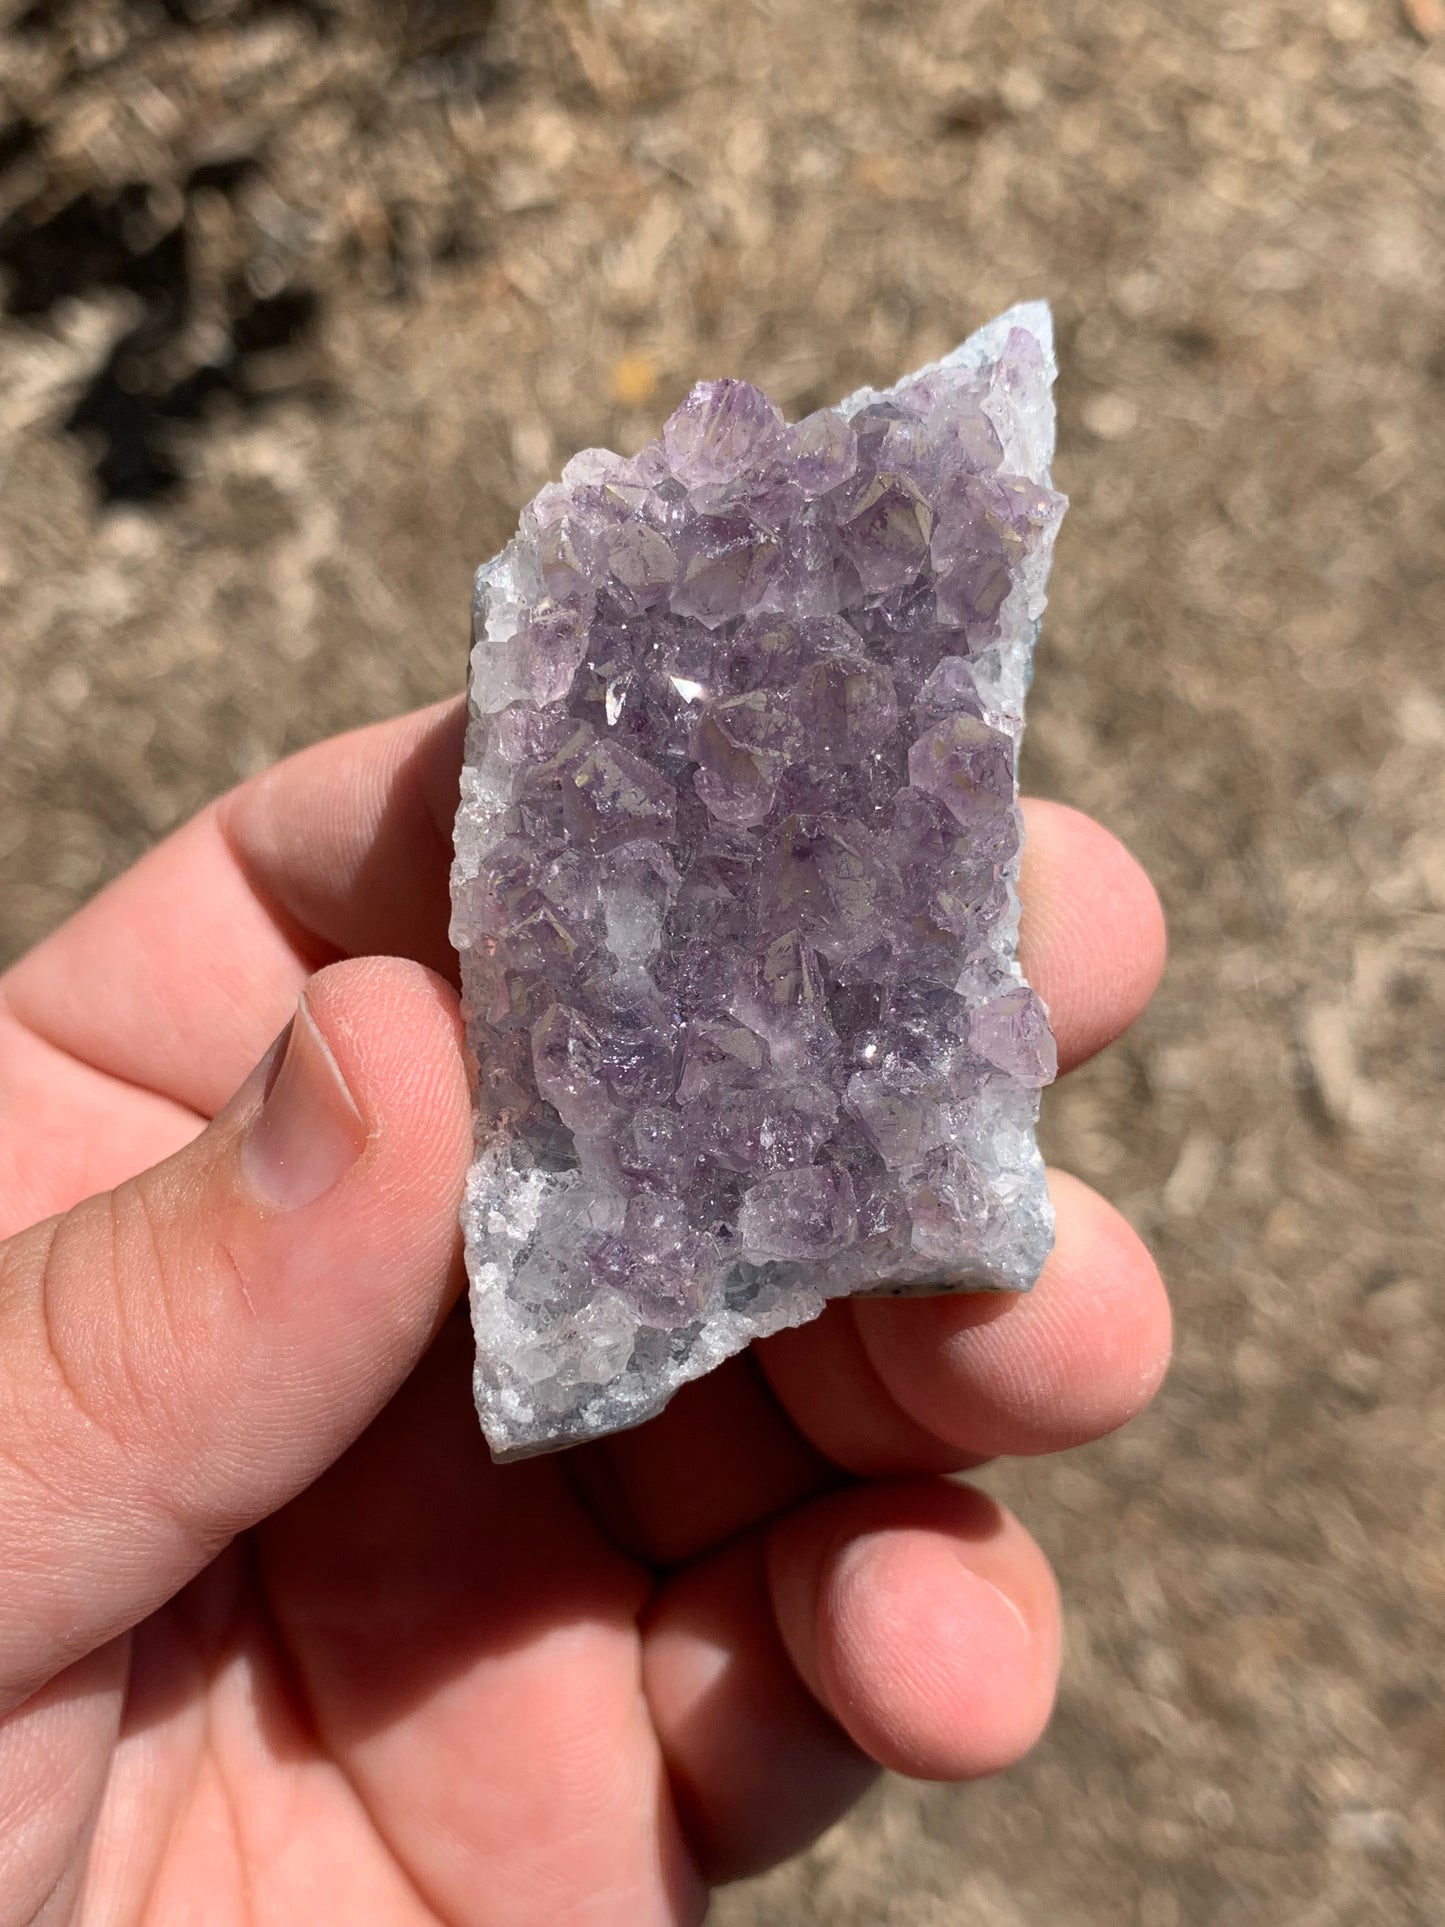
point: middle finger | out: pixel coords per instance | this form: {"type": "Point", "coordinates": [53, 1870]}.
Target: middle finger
{"type": "Point", "coordinates": [897, 1386]}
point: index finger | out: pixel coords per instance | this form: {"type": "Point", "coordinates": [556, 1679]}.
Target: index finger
{"type": "Point", "coordinates": [178, 974]}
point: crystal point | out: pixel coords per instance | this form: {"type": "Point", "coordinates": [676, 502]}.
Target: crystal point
{"type": "Point", "coordinates": [735, 883]}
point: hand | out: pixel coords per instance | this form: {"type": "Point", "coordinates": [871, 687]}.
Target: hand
{"type": "Point", "coordinates": [277, 1642]}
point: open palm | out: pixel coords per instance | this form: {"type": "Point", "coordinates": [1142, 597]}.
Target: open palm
{"type": "Point", "coordinates": [278, 1643]}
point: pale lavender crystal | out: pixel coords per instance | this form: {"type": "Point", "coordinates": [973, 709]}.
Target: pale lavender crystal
{"type": "Point", "coordinates": [735, 880]}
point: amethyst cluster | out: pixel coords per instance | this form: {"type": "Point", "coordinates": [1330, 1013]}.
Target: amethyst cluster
{"type": "Point", "coordinates": [734, 883]}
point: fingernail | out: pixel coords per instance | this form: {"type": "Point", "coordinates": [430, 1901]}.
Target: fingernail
{"type": "Point", "coordinates": [308, 1132]}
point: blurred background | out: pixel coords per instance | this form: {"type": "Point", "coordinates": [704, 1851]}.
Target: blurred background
{"type": "Point", "coordinates": [303, 298]}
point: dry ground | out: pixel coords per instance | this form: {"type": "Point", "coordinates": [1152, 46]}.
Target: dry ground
{"type": "Point", "coordinates": [303, 301]}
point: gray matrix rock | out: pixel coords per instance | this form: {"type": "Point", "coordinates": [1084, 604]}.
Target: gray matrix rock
{"type": "Point", "coordinates": [734, 888]}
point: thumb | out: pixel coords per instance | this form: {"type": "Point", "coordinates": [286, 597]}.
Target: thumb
{"type": "Point", "coordinates": [180, 1356]}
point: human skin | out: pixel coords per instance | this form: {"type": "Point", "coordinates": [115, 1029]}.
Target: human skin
{"type": "Point", "coordinates": [278, 1643]}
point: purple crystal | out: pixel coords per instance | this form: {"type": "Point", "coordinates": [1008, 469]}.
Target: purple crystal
{"type": "Point", "coordinates": [724, 431]}
{"type": "Point", "coordinates": [551, 643]}
{"type": "Point", "coordinates": [721, 1055]}
{"type": "Point", "coordinates": [966, 765]}
{"type": "Point", "coordinates": [884, 532]}
{"type": "Point", "coordinates": [949, 689]}
{"type": "Point", "coordinates": [637, 556]}
{"type": "Point", "coordinates": [947, 1200]}
{"type": "Point", "coordinates": [826, 876]}
{"type": "Point", "coordinates": [808, 1213]}
{"type": "Point", "coordinates": [735, 883]}
{"type": "Point", "coordinates": [724, 564]}
{"type": "Point", "coordinates": [567, 1060]}
{"type": "Point", "coordinates": [846, 705]}
{"type": "Point", "coordinates": [657, 1262]}
{"type": "Point", "coordinates": [752, 1130]}
{"type": "Point", "coordinates": [612, 795]}
{"type": "Point", "coordinates": [825, 452]}
{"type": "Point", "coordinates": [1011, 1034]}
{"type": "Point", "coordinates": [742, 744]}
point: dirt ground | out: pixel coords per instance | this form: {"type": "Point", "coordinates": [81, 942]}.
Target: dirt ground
{"type": "Point", "coordinates": [304, 297]}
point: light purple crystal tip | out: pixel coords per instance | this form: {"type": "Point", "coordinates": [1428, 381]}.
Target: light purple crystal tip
{"type": "Point", "coordinates": [734, 889]}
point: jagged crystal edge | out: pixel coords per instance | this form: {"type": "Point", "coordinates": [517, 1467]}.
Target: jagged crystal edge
{"type": "Point", "coordinates": [532, 1386]}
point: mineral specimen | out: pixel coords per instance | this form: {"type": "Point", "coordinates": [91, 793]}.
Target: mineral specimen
{"type": "Point", "coordinates": [734, 883]}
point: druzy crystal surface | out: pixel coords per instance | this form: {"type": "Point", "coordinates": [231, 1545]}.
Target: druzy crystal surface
{"type": "Point", "coordinates": [734, 889]}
